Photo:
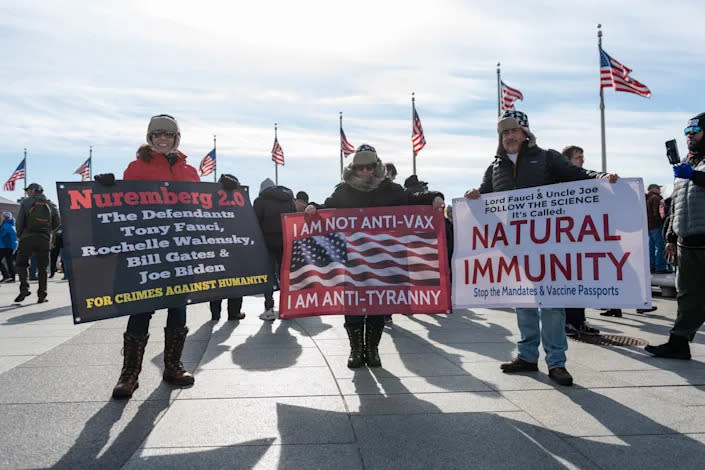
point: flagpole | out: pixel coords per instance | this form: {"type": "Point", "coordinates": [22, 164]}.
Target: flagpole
{"type": "Point", "coordinates": [276, 170]}
{"type": "Point", "coordinates": [90, 162]}
{"type": "Point", "coordinates": [25, 169]}
{"type": "Point", "coordinates": [341, 145]}
{"type": "Point", "coordinates": [413, 116]}
{"type": "Point", "coordinates": [215, 170]}
{"type": "Point", "coordinates": [499, 92]}
{"type": "Point", "coordinates": [602, 106]}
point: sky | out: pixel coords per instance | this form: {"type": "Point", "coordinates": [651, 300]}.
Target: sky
{"type": "Point", "coordinates": [77, 74]}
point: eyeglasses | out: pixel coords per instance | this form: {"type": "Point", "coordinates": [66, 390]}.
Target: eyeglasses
{"type": "Point", "coordinates": [369, 167]}
{"type": "Point", "coordinates": [692, 130]}
{"type": "Point", "coordinates": [169, 135]}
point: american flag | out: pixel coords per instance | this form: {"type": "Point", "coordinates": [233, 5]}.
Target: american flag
{"type": "Point", "coordinates": [362, 260]}
{"type": "Point", "coordinates": [208, 164]}
{"type": "Point", "coordinates": [417, 137]}
{"type": "Point", "coordinates": [509, 96]}
{"type": "Point", "coordinates": [277, 153]}
{"type": "Point", "coordinates": [84, 170]}
{"type": "Point", "coordinates": [614, 74]}
{"type": "Point", "coordinates": [17, 175]}
{"type": "Point", "coordinates": [346, 147]}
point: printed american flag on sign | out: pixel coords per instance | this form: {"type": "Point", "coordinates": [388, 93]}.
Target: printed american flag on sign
{"type": "Point", "coordinates": [361, 260]}
{"type": "Point", "coordinates": [84, 170]}
{"type": "Point", "coordinates": [417, 137]}
{"type": "Point", "coordinates": [277, 153]}
{"type": "Point", "coordinates": [17, 175]}
{"type": "Point", "coordinates": [614, 74]}
{"type": "Point", "coordinates": [346, 147]}
{"type": "Point", "coordinates": [509, 96]}
{"type": "Point", "coordinates": [208, 164]}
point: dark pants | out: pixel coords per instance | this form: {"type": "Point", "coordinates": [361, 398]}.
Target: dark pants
{"type": "Point", "coordinates": [575, 316]}
{"type": "Point", "coordinates": [377, 320]}
{"type": "Point", "coordinates": [138, 324]}
{"type": "Point", "coordinates": [234, 307]}
{"type": "Point", "coordinates": [275, 255]}
{"type": "Point", "coordinates": [65, 263]}
{"type": "Point", "coordinates": [54, 258]}
{"type": "Point", "coordinates": [690, 280]}
{"type": "Point", "coordinates": [38, 246]}
{"type": "Point", "coordinates": [8, 267]}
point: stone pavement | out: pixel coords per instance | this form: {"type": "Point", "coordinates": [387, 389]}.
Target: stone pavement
{"type": "Point", "coordinates": [278, 395]}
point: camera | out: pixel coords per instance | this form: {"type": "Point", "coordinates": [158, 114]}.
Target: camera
{"type": "Point", "coordinates": [672, 152]}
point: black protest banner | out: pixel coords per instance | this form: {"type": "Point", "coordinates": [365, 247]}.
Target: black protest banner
{"type": "Point", "coordinates": [139, 246]}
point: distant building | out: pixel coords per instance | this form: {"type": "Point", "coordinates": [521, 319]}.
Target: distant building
{"type": "Point", "coordinates": [8, 205]}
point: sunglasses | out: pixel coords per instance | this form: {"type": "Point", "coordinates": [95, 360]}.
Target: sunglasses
{"type": "Point", "coordinates": [169, 135]}
{"type": "Point", "coordinates": [692, 130]}
{"type": "Point", "coordinates": [369, 167]}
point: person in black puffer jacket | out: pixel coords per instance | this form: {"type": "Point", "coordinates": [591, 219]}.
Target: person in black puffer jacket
{"type": "Point", "coordinates": [365, 185]}
{"type": "Point", "coordinates": [273, 201]}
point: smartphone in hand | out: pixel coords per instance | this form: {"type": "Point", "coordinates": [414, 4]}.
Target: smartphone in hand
{"type": "Point", "coordinates": [672, 152]}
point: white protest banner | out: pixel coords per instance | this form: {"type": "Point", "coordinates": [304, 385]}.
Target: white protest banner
{"type": "Point", "coordinates": [578, 244]}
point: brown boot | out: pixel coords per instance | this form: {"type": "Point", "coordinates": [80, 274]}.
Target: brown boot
{"type": "Point", "coordinates": [133, 352]}
{"type": "Point", "coordinates": [174, 371]}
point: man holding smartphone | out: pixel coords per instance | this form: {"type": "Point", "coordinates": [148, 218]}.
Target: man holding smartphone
{"type": "Point", "coordinates": [685, 244]}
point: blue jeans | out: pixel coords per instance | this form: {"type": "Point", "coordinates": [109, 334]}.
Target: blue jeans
{"type": "Point", "coordinates": [551, 334]}
{"type": "Point", "coordinates": [657, 249]}
{"type": "Point", "coordinates": [138, 324]}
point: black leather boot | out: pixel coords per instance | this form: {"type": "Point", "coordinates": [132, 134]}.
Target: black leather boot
{"type": "Point", "coordinates": [174, 372]}
{"type": "Point", "coordinates": [373, 334]}
{"type": "Point", "coordinates": [133, 352]}
{"type": "Point", "coordinates": [677, 347]}
{"type": "Point", "coordinates": [356, 336]}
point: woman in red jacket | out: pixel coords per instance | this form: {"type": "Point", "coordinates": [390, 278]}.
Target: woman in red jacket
{"type": "Point", "coordinates": [158, 160]}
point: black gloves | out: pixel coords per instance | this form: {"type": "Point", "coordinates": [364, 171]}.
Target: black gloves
{"type": "Point", "coordinates": [229, 181]}
{"type": "Point", "coordinates": [106, 179]}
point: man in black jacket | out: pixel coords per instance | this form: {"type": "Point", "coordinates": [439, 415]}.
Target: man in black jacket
{"type": "Point", "coordinates": [520, 163]}
{"type": "Point", "coordinates": [365, 185]}
{"type": "Point", "coordinates": [37, 219]}
{"type": "Point", "coordinates": [273, 201]}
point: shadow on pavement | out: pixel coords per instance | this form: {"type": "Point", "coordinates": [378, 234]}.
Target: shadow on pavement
{"type": "Point", "coordinates": [41, 315]}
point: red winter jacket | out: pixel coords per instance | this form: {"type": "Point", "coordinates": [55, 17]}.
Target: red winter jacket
{"type": "Point", "coordinates": [158, 168]}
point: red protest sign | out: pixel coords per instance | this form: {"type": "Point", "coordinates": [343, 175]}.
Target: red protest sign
{"type": "Point", "coordinates": [368, 261]}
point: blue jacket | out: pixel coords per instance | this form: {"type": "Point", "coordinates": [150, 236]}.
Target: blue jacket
{"type": "Point", "coordinates": [8, 235]}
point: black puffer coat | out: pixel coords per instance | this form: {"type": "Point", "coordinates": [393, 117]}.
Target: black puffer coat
{"type": "Point", "coordinates": [271, 203]}
{"type": "Point", "coordinates": [535, 167]}
{"type": "Point", "coordinates": [387, 193]}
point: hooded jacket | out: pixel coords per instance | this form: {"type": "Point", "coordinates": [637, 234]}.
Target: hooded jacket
{"type": "Point", "coordinates": [25, 206]}
{"type": "Point", "coordinates": [269, 205]}
{"type": "Point", "coordinates": [159, 168]}
{"type": "Point", "coordinates": [653, 214]}
{"type": "Point", "coordinates": [534, 167]}
{"type": "Point", "coordinates": [8, 235]}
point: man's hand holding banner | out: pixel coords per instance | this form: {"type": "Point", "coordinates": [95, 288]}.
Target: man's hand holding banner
{"type": "Point", "coordinates": [364, 262]}
{"type": "Point", "coordinates": [579, 244]}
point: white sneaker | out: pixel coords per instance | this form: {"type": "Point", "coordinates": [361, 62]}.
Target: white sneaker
{"type": "Point", "coordinates": [268, 315]}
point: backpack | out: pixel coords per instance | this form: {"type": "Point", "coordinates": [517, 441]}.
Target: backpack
{"type": "Point", "coordinates": [39, 217]}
